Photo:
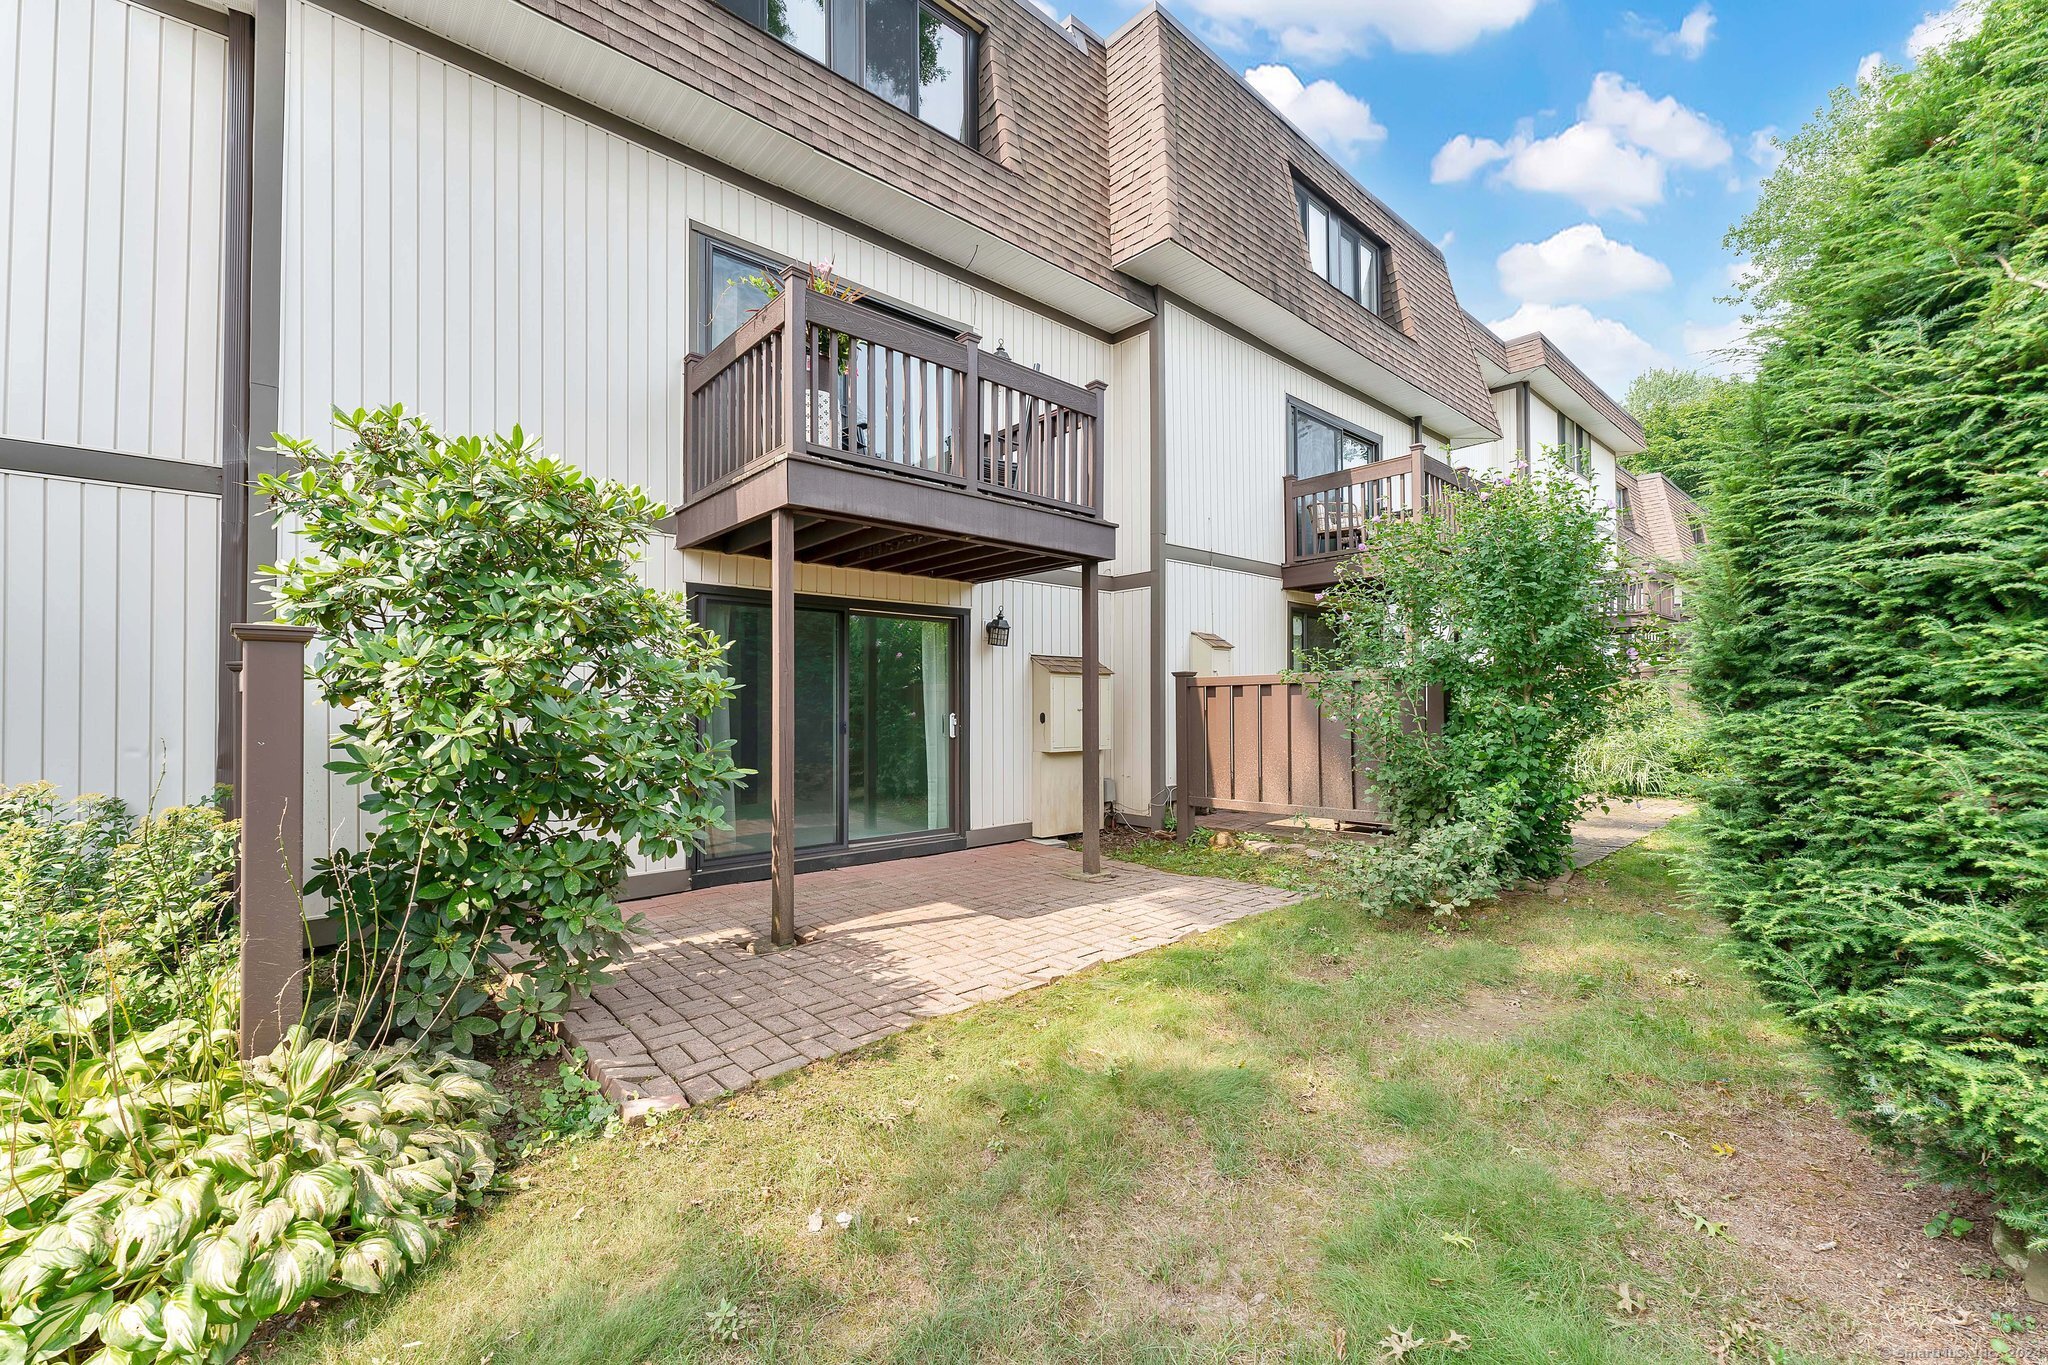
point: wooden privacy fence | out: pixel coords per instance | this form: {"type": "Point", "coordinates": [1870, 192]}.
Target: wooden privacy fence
{"type": "Point", "coordinates": [1261, 744]}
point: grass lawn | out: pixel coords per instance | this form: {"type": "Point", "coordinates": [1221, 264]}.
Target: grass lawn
{"type": "Point", "coordinates": [1301, 1138]}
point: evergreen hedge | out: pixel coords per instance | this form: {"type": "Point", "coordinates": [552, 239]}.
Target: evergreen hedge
{"type": "Point", "coordinates": [1873, 634]}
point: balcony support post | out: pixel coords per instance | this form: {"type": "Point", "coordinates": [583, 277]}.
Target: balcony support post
{"type": "Point", "coordinates": [797, 379]}
{"type": "Point", "coordinates": [782, 730]}
{"type": "Point", "coordinates": [1091, 721]}
{"type": "Point", "coordinates": [967, 417]}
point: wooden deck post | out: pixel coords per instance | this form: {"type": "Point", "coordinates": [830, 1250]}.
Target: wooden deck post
{"type": "Point", "coordinates": [1183, 762]}
{"type": "Point", "coordinates": [782, 729]}
{"type": "Point", "coordinates": [271, 801]}
{"type": "Point", "coordinates": [1091, 720]}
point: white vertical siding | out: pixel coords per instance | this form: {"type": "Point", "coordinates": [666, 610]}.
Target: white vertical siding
{"type": "Point", "coordinates": [1226, 448]}
{"type": "Point", "coordinates": [1045, 618]}
{"type": "Point", "coordinates": [488, 260]}
{"type": "Point", "coordinates": [505, 262]}
{"type": "Point", "coordinates": [107, 659]}
{"type": "Point", "coordinates": [1127, 649]}
{"type": "Point", "coordinates": [1127, 456]}
{"type": "Point", "coordinates": [111, 127]}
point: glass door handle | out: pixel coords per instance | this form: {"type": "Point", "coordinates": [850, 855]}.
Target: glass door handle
{"type": "Point", "coordinates": [952, 725]}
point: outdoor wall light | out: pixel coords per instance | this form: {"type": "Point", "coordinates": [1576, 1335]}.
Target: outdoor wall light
{"type": "Point", "coordinates": [999, 630]}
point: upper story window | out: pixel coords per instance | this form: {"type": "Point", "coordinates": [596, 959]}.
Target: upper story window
{"type": "Point", "coordinates": [1321, 444]}
{"type": "Point", "coordinates": [1698, 528]}
{"type": "Point", "coordinates": [911, 53]}
{"type": "Point", "coordinates": [1624, 508]}
{"type": "Point", "coordinates": [1576, 445]}
{"type": "Point", "coordinates": [733, 284]}
{"type": "Point", "coordinates": [1340, 252]}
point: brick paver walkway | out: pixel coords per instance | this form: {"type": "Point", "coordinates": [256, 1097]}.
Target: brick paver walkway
{"type": "Point", "coordinates": [694, 1014]}
{"type": "Point", "coordinates": [1600, 833]}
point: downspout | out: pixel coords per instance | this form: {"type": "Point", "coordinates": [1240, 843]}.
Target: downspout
{"type": "Point", "coordinates": [1162, 696]}
{"type": "Point", "coordinates": [232, 571]}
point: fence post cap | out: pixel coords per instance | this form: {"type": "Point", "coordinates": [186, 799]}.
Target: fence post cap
{"type": "Point", "coordinates": [272, 631]}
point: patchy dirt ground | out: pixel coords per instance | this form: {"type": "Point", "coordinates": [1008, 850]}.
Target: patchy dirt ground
{"type": "Point", "coordinates": [1831, 1224]}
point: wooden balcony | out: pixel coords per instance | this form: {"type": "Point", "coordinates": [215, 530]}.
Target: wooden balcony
{"type": "Point", "coordinates": [1328, 516]}
{"type": "Point", "coordinates": [896, 448]}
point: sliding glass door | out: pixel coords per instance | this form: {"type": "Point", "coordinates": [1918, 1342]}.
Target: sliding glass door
{"type": "Point", "coordinates": [877, 725]}
{"type": "Point", "coordinates": [900, 723]}
{"type": "Point", "coordinates": [746, 721]}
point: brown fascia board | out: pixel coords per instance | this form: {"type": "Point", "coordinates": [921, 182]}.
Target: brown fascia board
{"type": "Point", "coordinates": [1203, 160]}
{"type": "Point", "coordinates": [1537, 351]}
{"type": "Point", "coordinates": [1513, 360]}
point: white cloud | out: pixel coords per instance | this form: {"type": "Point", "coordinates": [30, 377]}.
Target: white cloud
{"type": "Point", "coordinates": [1047, 10]}
{"type": "Point", "coordinates": [1587, 163]}
{"type": "Point", "coordinates": [1324, 110]}
{"type": "Point", "coordinates": [1940, 28]}
{"type": "Point", "coordinates": [1612, 161]}
{"type": "Point", "coordinates": [1663, 126]}
{"type": "Point", "coordinates": [1765, 150]}
{"type": "Point", "coordinates": [1719, 347]}
{"type": "Point", "coordinates": [1578, 263]}
{"type": "Point", "coordinates": [1867, 70]}
{"type": "Point", "coordinates": [1463, 157]}
{"type": "Point", "coordinates": [1328, 30]}
{"type": "Point", "coordinates": [1688, 40]}
{"type": "Point", "coordinates": [1605, 349]}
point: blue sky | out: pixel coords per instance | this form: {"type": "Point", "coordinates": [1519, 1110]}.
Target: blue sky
{"type": "Point", "coordinates": [1577, 160]}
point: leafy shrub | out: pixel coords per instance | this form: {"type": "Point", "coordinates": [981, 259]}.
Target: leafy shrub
{"type": "Point", "coordinates": [523, 711]}
{"type": "Point", "coordinates": [1874, 618]}
{"type": "Point", "coordinates": [162, 1197]}
{"type": "Point", "coordinates": [1442, 868]}
{"type": "Point", "coordinates": [1504, 599]}
{"type": "Point", "coordinates": [93, 901]}
{"type": "Point", "coordinates": [1652, 745]}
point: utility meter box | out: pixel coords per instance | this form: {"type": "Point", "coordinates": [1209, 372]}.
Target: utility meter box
{"type": "Point", "coordinates": [1208, 653]}
{"type": "Point", "coordinates": [1056, 682]}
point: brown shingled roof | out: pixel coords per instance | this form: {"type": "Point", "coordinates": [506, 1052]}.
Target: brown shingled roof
{"type": "Point", "coordinates": [1201, 159]}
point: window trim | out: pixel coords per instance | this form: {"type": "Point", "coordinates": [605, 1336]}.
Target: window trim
{"type": "Point", "coordinates": [1296, 408]}
{"type": "Point", "coordinates": [1579, 451]}
{"type": "Point", "coordinates": [1300, 611]}
{"type": "Point", "coordinates": [833, 61]}
{"type": "Point", "coordinates": [1305, 196]}
{"type": "Point", "coordinates": [704, 239]}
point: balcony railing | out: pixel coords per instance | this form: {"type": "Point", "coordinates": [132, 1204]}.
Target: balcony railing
{"type": "Point", "coordinates": [816, 377]}
{"type": "Point", "coordinates": [1327, 515]}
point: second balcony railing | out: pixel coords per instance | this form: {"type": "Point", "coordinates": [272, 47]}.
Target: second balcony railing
{"type": "Point", "coordinates": [1328, 514]}
{"type": "Point", "coordinates": [816, 376]}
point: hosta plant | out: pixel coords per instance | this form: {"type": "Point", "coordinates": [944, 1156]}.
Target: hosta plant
{"type": "Point", "coordinates": [161, 1198]}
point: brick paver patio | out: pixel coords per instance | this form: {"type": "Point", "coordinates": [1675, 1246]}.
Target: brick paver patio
{"type": "Point", "coordinates": [694, 1014]}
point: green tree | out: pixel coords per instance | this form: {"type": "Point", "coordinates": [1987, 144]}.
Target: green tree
{"type": "Point", "coordinates": [1872, 638]}
{"type": "Point", "coordinates": [523, 712]}
{"type": "Point", "coordinates": [1685, 415]}
{"type": "Point", "coordinates": [1504, 599]}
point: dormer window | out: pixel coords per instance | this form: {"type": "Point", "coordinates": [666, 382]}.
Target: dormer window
{"type": "Point", "coordinates": [1339, 250]}
{"type": "Point", "coordinates": [911, 53]}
